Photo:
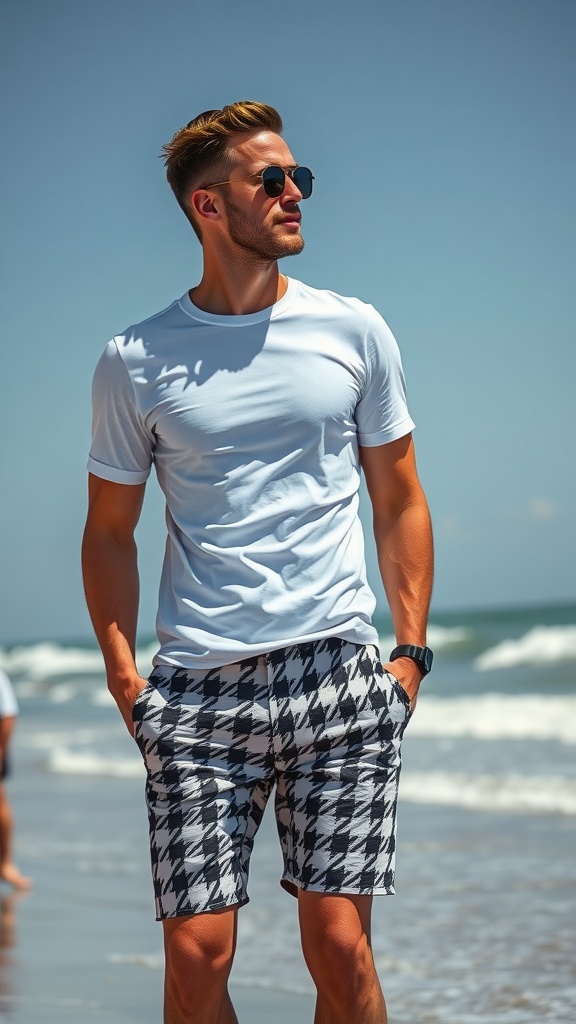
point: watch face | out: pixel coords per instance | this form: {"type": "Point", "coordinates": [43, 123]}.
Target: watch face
{"type": "Point", "coordinates": [427, 659]}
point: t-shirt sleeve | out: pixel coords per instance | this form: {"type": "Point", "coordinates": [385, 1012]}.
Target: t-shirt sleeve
{"type": "Point", "coordinates": [382, 412]}
{"type": "Point", "coordinates": [8, 702]}
{"type": "Point", "coordinates": [122, 446]}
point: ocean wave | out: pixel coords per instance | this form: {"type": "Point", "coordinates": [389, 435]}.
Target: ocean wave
{"type": "Point", "coordinates": [52, 739]}
{"type": "Point", "coordinates": [64, 761]}
{"type": "Point", "coordinates": [542, 645]}
{"type": "Point", "coordinates": [63, 693]}
{"type": "Point", "coordinates": [539, 793]}
{"type": "Point", "coordinates": [40, 662]}
{"type": "Point", "coordinates": [496, 716]}
{"type": "Point", "coordinates": [154, 961]}
{"type": "Point", "coordinates": [37, 662]}
{"type": "Point", "coordinates": [439, 638]}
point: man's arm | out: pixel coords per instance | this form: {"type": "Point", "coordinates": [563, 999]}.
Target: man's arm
{"type": "Point", "coordinates": [6, 730]}
{"type": "Point", "coordinates": [111, 584]}
{"type": "Point", "coordinates": [403, 535]}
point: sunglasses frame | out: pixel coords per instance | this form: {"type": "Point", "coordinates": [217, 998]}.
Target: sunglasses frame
{"type": "Point", "coordinates": [260, 174]}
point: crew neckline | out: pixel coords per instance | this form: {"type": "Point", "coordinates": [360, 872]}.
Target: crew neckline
{"type": "Point", "coordinates": [240, 320]}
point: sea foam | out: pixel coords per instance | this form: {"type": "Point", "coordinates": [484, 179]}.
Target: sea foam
{"type": "Point", "coordinates": [64, 761]}
{"type": "Point", "coordinates": [39, 662]}
{"type": "Point", "coordinates": [47, 660]}
{"type": "Point", "coordinates": [497, 716]}
{"type": "Point", "coordinates": [540, 793]}
{"type": "Point", "coordinates": [438, 637]}
{"type": "Point", "coordinates": [542, 645]}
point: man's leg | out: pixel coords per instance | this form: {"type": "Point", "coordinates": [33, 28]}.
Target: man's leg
{"type": "Point", "coordinates": [199, 952]}
{"type": "Point", "coordinates": [335, 931]}
{"type": "Point", "coordinates": [205, 739]}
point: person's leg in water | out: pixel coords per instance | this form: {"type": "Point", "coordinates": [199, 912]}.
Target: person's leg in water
{"type": "Point", "coordinates": [8, 871]}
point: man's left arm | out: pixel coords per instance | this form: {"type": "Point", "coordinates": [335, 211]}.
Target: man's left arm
{"type": "Point", "coordinates": [6, 729]}
{"type": "Point", "coordinates": [403, 535]}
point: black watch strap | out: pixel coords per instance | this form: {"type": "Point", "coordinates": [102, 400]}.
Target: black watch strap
{"type": "Point", "coordinates": [421, 655]}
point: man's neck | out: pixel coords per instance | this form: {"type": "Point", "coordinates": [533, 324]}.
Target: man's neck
{"type": "Point", "coordinates": [248, 290]}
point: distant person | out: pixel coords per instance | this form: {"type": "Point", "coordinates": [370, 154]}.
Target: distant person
{"type": "Point", "coordinates": [8, 711]}
{"type": "Point", "coordinates": [259, 399]}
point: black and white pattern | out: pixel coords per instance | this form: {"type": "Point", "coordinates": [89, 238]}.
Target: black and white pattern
{"type": "Point", "coordinates": [322, 722]}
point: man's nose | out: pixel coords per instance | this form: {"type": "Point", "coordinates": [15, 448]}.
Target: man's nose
{"type": "Point", "coordinates": [291, 190]}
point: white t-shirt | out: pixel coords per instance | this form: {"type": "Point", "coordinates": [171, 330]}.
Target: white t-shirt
{"type": "Point", "coordinates": [253, 424]}
{"type": "Point", "coordinates": [8, 702]}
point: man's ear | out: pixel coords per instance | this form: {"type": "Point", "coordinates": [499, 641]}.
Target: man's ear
{"type": "Point", "coordinates": [205, 205]}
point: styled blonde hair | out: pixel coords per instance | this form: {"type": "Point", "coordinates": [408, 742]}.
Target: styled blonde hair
{"type": "Point", "coordinates": [198, 153]}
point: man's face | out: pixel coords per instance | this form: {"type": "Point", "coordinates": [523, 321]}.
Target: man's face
{"type": "Point", "coordinates": [263, 227]}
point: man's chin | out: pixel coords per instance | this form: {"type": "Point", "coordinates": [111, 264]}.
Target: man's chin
{"type": "Point", "coordinates": [276, 249]}
{"type": "Point", "coordinates": [291, 247]}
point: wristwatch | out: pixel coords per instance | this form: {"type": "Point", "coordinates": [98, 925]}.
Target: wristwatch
{"type": "Point", "coordinates": [421, 655]}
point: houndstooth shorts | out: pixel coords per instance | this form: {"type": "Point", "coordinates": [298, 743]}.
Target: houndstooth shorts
{"type": "Point", "coordinates": [322, 722]}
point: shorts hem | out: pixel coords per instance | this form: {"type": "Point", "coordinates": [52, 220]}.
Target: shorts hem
{"type": "Point", "coordinates": [291, 886]}
{"type": "Point", "coordinates": [221, 905]}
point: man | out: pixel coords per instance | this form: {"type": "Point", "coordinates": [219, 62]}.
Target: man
{"type": "Point", "coordinates": [9, 873]}
{"type": "Point", "coordinates": [258, 398]}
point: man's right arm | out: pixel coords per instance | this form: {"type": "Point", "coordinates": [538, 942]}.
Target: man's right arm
{"type": "Point", "coordinates": [111, 584]}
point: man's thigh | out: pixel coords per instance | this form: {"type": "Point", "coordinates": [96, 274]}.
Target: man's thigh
{"type": "Point", "coordinates": [205, 743]}
{"type": "Point", "coordinates": [340, 724]}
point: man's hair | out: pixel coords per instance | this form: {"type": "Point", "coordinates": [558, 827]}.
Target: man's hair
{"type": "Point", "coordinates": [198, 154]}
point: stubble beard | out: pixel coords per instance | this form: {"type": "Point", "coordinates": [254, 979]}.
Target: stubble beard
{"type": "Point", "coordinates": [259, 242]}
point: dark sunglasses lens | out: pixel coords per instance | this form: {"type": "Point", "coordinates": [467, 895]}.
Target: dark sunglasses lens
{"type": "Point", "coordinates": [273, 180]}
{"type": "Point", "coordinates": [303, 178]}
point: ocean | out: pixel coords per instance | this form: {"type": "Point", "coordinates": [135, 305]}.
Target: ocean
{"type": "Point", "coordinates": [482, 928]}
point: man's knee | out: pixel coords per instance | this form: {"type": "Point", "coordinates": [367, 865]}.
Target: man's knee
{"type": "Point", "coordinates": [339, 963]}
{"type": "Point", "coordinates": [199, 953]}
{"type": "Point", "coordinates": [336, 942]}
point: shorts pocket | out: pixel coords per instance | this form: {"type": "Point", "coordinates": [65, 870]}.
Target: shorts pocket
{"type": "Point", "coordinates": [401, 692]}
{"type": "Point", "coordinates": [399, 706]}
{"type": "Point", "coordinates": [136, 707]}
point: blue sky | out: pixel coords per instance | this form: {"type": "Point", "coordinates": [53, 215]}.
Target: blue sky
{"type": "Point", "coordinates": [441, 134]}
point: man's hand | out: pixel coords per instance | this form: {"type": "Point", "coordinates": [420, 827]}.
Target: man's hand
{"type": "Point", "coordinates": [408, 675]}
{"type": "Point", "coordinates": [125, 697]}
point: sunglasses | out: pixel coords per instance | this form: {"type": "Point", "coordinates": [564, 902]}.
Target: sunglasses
{"type": "Point", "coordinates": [274, 180]}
